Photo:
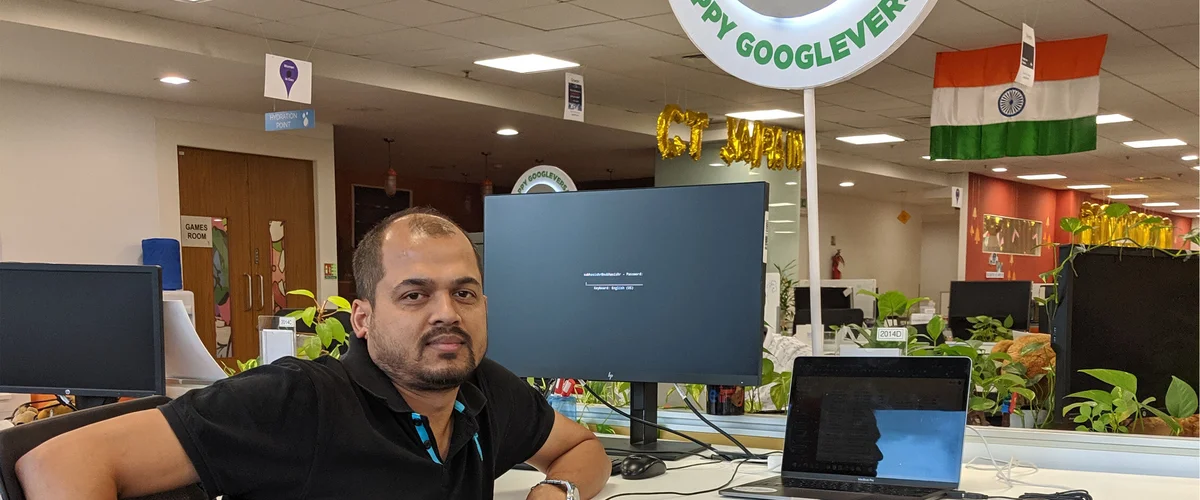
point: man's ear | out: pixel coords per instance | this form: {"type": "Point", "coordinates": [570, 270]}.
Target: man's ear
{"type": "Point", "coordinates": [360, 317]}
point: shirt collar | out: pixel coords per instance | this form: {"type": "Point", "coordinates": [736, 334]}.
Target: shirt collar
{"type": "Point", "coordinates": [368, 376]}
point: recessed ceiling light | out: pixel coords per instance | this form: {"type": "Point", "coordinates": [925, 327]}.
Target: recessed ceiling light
{"type": "Point", "coordinates": [1197, 167]}
{"type": "Point", "coordinates": [870, 139]}
{"type": "Point", "coordinates": [191, 1]}
{"type": "Point", "coordinates": [507, 131]}
{"type": "Point", "coordinates": [939, 159]}
{"type": "Point", "coordinates": [716, 164]}
{"type": "Point", "coordinates": [755, 173]}
{"type": "Point", "coordinates": [1113, 118]}
{"type": "Point", "coordinates": [528, 63]}
{"type": "Point", "coordinates": [781, 205]}
{"type": "Point", "coordinates": [784, 232]}
{"type": "Point", "coordinates": [1127, 196]}
{"type": "Point", "coordinates": [1155, 143]}
{"type": "Point", "coordinates": [174, 80]}
{"type": "Point", "coordinates": [781, 221]}
{"type": "Point", "coordinates": [1186, 211]}
{"type": "Point", "coordinates": [1161, 204]}
{"type": "Point", "coordinates": [846, 184]}
{"type": "Point", "coordinates": [999, 170]}
{"type": "Point", "coordinates": [1090, 186]}
{"type": "Point", "coordinates": [791, 183]}
{"type": "Point", "coordinates": [1042, 177]}
{"type": "Point", "coordinates": [764, 114]}
{"type": "Point", "coordinates": [1190, 158]}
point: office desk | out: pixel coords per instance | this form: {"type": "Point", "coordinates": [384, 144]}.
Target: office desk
{"type": "Point", "coordinates": [515, 484]}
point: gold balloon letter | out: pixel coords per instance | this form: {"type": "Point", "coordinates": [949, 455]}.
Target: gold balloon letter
{"type": "Point", "coordinates": [795, 150]}
{"type": "Point", "coordinates": [698, 122]}
{"type": "Point", "coordinates": [669, 146]}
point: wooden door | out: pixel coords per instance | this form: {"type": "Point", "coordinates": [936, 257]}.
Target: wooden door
{"type": "Point", "coordinates": [283, 235]}
{"type": "Point", "coordinates": [213, 184]}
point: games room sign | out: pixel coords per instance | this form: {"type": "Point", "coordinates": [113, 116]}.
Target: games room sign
{"type": "Point", "coordinates": [816, 48]}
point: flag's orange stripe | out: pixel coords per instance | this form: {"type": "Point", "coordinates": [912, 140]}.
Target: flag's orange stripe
{"type": "Point", "coordinates": [1058, 60]}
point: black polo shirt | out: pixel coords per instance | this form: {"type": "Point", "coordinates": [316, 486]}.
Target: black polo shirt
{"type": "Point", "coordinates": [330, 429]}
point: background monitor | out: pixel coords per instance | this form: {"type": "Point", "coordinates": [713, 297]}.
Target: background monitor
{"type": "Point", "coordinates": [640, 285]}
{"type": "Point", "coordinates": [82, 330]}
{"type": "Point", "coordinates": [998, 299]}
{"type": "Point", "coordinates": [832, 297]}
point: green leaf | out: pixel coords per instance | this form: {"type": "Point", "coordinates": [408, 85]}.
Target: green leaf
{"type": "Point", "coordinates": [1070, 224]}
{"type": "Point", "coordinates": [890, 303]}
{"type": "Point", "coordinates": [768, 366]}
{"type": "Point", "coordinates": [1000, 356]}
{"type": "Point", "coordinates": [303, 292]}
{"type": "Point", "coordinates": [1171, 422]}
{"type": "Point", "coordinates": [1085, 411]}
{"type": "Point", "coordinates": [1081, 428]}
{"type": "Point", "coordinates": [981, 404]}
{"type": "Point", "coordinates": [1025, 393]}
{"type": "Point", "coordinates": [1008, 321]}
{"type": "Point", "coordinates": [308, 315]}
{"type": "Point", "coordinates": [1079, 419]}
{"type": "Point", "coordinates": [1094, 395]}
{"type": "Point", "coordinates": [336, 354]}
{"type": "Point", "coordinates": [1116, 210]}
{"type": "Point", "coordinates": [312, 350]}
{"type": "Point", "coordinates": [336, 330]}
{"type": "Point", "coordinates": [296, 314]}
{"type": "Point", "coordinates": [1011, 379]}
{"type": "Point", "coordinates": [1031, 347]}
{"type": "Point", "coordinates": [342, 304]}
{"type": "Point", "coordinates": [1151, 221]}
{"type": "Point", "coordinates": [605, 429]}
{"type": "Point", "coordinates": [779, 396]}
{"type": "Point", "coordinates": [1181, 399]}
{"type": "Point", "coordinates": [1098, 426]}
{"type": "Point", "coordinates": [935, 327]}
{"type": "Point", "coordinates": [1067, 409]}
{"type": "Point", "coordinates": [324, 333]}
{"type": "Point", "coordinates": [1116, 378]}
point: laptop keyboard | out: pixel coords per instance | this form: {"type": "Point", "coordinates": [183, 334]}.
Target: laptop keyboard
{"type": "Point", "coordinates": [877, 489]}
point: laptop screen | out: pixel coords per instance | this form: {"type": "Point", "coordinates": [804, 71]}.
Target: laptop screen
{"type": "Point", "coordinates": [880, 420]}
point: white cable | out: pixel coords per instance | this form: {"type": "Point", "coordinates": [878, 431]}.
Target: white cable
{"type": "Point", "coordinates": [1004, 473]}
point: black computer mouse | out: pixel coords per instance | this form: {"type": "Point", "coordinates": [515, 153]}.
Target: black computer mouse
{"type": "Point", "coordinates": [642, 467]}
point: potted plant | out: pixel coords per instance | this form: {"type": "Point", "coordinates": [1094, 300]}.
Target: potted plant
{"type": "Point", "coordinates": [1119, 410]}
{"type": "Point", "coordinates": [320, 317]}
{"type": "Point", "coordinates": [988, 329]}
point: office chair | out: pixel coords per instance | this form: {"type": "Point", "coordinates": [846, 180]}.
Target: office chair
{"type": "Point", "coordinates": [17, 441]}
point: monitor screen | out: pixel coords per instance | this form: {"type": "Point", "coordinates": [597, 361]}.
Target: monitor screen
{"type": "Point", "coordinates": [895, 420]}
{"type": "Point", "coordinates": [639, 285]}
{"type": "Point", "coordinates": [89, 330]}
{"type": "Point", "coordinates": [998, 299]}
{"type": "Point", "coordinates": [831, 297]}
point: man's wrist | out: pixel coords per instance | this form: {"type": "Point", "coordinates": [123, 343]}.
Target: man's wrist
{"type": "Point", "coordinates": [547, 491]}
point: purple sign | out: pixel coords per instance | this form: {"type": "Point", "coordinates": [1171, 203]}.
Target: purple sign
{"type": "Point", "coordinates": [288, 72]}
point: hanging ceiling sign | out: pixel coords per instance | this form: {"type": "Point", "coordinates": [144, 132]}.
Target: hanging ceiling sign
{"type": "Point", "coordinates": [544, 175]}
{"type": "Point", "coordinates": [816, 49]}
{"type": "Point", "coordinates": [287, 79]}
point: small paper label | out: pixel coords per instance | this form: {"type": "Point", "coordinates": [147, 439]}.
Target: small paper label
{"type": "Point", "coordinates": [286, 322]}
{"type": "Point", "coordinates": [891, 334]}
{"type": "Point", "coordinates": [994, 275]}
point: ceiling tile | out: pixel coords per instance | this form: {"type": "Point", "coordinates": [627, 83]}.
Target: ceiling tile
{"type": "Point", "coordinates": [342, 23]}
{"type": "Point", "coordinates": [540, 42]}
{"type": "Point", "coordinates": [495, 6]}
{"type": "Point", "coordinates": [346, 4]}
{"type": "Point", "coordinates": [626, 9]}
{"type": "Point", "coordinates": [129, 5]}
{"type": "Point", "coordinates": [483, 29]}
{"type": "Point", "coordinates": [204, 15]}
{"type": "Point", "coordinates": [666, 23]}
{"type": "Point", "coordinates": [554, 16]}
{"type": "Point", "coordinates": [413, 12]}
{"type": "Point", "coordinates": [917, 54]}
{"type": "Point", "coordinates": [413, 39]}
{"type": "Point", "coordinates": [1144, 60]}
{"type": "Point", "coordinates": [275, 10]}
{"type": "Point", "coordinates": [278, 31]}
{"type": "Point", "coordinates": [463, 57]}
{"type": "Point", "coordinates": [1149, 14]}
{"type": "Point", "coordinates": [963, 28]}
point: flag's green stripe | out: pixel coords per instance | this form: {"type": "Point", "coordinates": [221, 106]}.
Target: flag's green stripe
{"type": "Point", "coordinates": [997, 140]}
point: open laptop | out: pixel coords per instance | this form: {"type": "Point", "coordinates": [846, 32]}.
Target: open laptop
{"type": "Point", "coordinates": [871, 428]}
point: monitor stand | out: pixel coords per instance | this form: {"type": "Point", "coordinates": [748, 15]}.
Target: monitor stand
{"type": "Point", "coordinates": [85, 402]}
{"type": "Point", "coordinates": [643, 439]}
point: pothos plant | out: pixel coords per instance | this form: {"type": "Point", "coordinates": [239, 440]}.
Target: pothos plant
{"type": "Point", "coordinates": [893, 309]}
{"type": "Point", "coordinates": [321, 319]}
{"type": "Point", "coordinates": [1119, 410]}
{"type": "Point", "coordinates": [989, 329]}
{"type": "Point", "coordinates": [995, 376]}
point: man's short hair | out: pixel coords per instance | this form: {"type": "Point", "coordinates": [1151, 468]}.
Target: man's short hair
{"type": "Point", "coordinates": [368, 256]}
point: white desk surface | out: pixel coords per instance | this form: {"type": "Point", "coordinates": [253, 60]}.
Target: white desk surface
{"type": "Point", "coordinates": [515, 484]}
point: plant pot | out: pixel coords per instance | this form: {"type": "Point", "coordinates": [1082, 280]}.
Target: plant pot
{"type": "Point", "coordinates": [1028, 419]}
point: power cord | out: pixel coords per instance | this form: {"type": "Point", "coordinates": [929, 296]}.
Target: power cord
{"type": "Point", "coordinates": [732, 477]}
{"type": "Point", "coordinates": [1004, 473]}
{"type": "Point", "coordinates": [656, 426]}
{"type": "Point", "coordinates": [1064, 495]}
{"type": "Point", "coordinates": [746, 451]}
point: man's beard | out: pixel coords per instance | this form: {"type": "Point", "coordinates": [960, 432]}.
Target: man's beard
{"type": "Point", "coordinates": [413, 372]}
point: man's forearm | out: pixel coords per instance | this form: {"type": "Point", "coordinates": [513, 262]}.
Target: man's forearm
{"type": "Point", "coordinates": [586, 465]}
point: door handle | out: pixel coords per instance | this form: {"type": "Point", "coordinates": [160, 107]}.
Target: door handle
{"type": "Point", "coordinates": [262, 298]}
{"type": "Point", "coordinates": [249, 293]}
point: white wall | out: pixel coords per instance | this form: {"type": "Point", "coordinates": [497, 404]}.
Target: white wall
{"type": "Point", "coordinates": [874, 243]}
{"type": "Point", "coordinates": [939, 257]}
{"type": "Point", "coordinates": [85, 176]}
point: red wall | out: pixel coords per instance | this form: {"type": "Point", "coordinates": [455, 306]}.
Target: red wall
{"type": "Point", "coordinates": [991, 196]}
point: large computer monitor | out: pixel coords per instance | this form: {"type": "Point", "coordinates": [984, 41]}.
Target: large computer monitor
{"type": "Point", "coordinates": [89, 331]}
{"type": "Point", "coordinates": [998, 299]}
{"type": "Point", "coordinates": [641, 285]}
{"type": "Point", "coordinates": [832, 297]}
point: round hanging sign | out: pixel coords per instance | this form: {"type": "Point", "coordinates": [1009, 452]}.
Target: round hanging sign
{"type": "Point", "coordinates": [839, 40]}
{"type": "Point", "coordinates": [551, 179]}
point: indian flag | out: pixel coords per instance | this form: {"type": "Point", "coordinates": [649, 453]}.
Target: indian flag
{"type": "Point", "coordinates": [980, 112]}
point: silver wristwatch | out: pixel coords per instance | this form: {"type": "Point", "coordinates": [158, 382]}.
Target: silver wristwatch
{"type": "Point", "coordinates": [567, 486]}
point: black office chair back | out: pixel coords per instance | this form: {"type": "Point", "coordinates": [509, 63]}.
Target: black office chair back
{"type": "Point", "coordinates": [19, 440]}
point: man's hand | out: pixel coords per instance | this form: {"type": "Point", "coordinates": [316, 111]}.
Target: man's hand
{"type": "Point", "coordinates": [571, 453]}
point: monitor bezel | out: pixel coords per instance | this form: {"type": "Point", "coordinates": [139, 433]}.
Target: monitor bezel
{"type": "Point", "coordinates": [154, 274]}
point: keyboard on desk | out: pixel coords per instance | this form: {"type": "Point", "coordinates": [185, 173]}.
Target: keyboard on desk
{"type": "Point", "coordinates": [875, 489]}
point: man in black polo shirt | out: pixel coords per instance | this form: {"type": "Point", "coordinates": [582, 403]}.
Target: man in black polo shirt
{"type": "Point", "coordinates": [414, 410]}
